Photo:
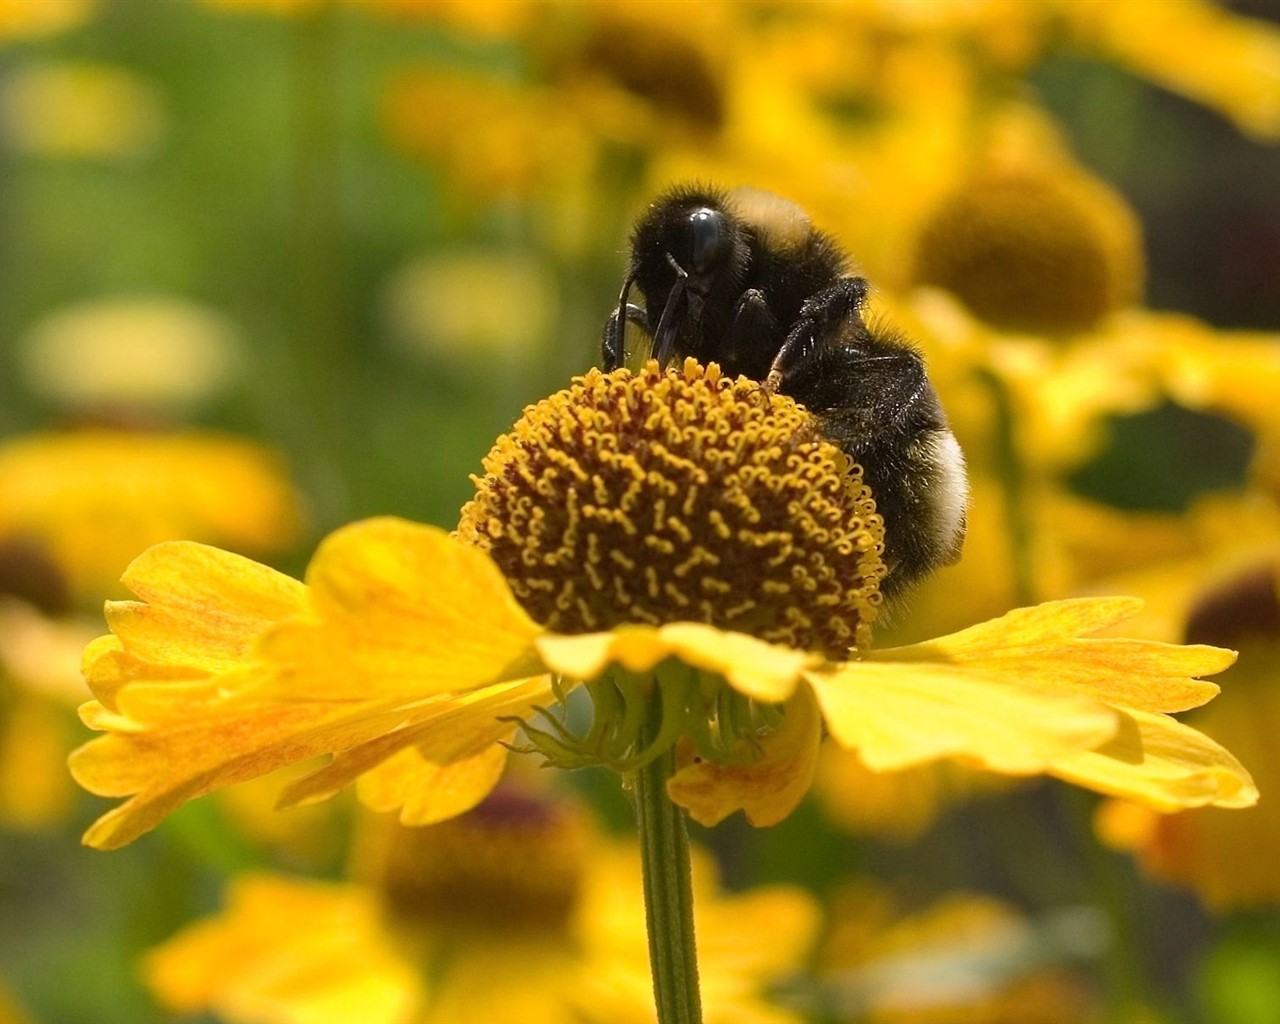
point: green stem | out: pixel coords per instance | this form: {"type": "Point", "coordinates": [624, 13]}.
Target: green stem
{"type": "Point", "coordinates": [323, 325]}
{"type": "Point", "coordinates": [668, 887]}
{"type": "Point", "coordinates": [1125, 977]}
{"type": "Point", "coordinates": [1014, 488]}
{"type": "Point", "coordinates": [1124, 974]}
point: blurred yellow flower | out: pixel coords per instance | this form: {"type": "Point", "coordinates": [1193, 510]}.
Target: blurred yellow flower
{"type": "Point", "coordinates": [280, 8]}
{"type": "Point", "coordinates": [1034, 249]}
{"type": "Point", "coordinates": [441, 307]}
{"type": "Point", "coordinates": [521, 882]}
{"type": "Point", "coordinates": [34, 19]}
{"type": "Point", "coordinates": [1233, 373]}
{"type": "Point", "coordinates": [488, 18]}
{"type": "Point", "coordinates": [95, 497]}
{"type": "Point", "coordinates": [411, 655]}
{"type": "Point", "coordinates": [131, 354]}
{"type": "Point", "coordinates": [10, 1011]}
{"type": "Point", "coordinates": [40, 685]}
{"type": "Point", "coordinates": [895, 806]}
{"type": "Point", "coordinates": [1062, 390]}
{"type": "Point", "coordinates": [1227, 860]}
{"type": "Point", "coordinates": [1193, 47]}
{"type": "Point", "coordinates": [1171, 560]}
{"type": "Point", "coordinates": [1078, 546]}
{"type": "Point", "coordinates": [966, 959]}
{"type": "Point", "coordinates": [492, 138]}
{"type": "Point", "coordinates": [81, 111]}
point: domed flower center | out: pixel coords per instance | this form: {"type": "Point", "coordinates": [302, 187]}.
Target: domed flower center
{"type": "Point", "coordinates": [680, 495]}
{"type": "Point", "coordinates": [513, 864]}
{"type": "Point", "coordinates": [1034, 251]}
{"type": "Point", "coordinates": [29, 572]}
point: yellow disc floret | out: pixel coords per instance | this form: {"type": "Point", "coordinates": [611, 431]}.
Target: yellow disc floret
{"type": "Point", "coordinates": [680, 495]}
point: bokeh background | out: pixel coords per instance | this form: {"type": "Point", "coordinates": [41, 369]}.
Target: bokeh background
{"type": "Point", "coordinates": [269, 266]}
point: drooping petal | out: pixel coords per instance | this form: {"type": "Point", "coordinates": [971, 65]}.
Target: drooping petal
{"type": "Point", "coordinates": [162, 765]}
{"type": "Point", "coordinates": [763, 671]}
{"type": "Point", "coordinates": [202, 611]}
{"type": "Point", "coordinates": [1158, 761]}
{"type": "Point", "coordinates": [901, 714]}
{"type": "Point", "coordinates": [404, 608]}
{"type": "Point", "coordinates": [767, 787]}
{"type": "Point", "coordinates": [1041, 648]}
{"type": "Point", "coordinates": [457, 729]}
{"type": "Point", "coordinates": [426, 792]}
{"type": "Point", "coordinates": [230, 670]}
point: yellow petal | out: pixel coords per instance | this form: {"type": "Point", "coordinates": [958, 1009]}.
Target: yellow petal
{"type": "Point", "coordinates": [219, 745]}
{"type": "Point", "coordinates": [396, 614]}
{"type": "Point", "coordinates": [452, 729]}
{"type": "Point", "coordinates": [204, 608]}
{"type": "Point", "coordinates": [288, 950]}
{"type": "Point", "coordinates": [764, 671]}
{"type": "Point", "coordinates": [404, 609]}
{"type": "Point", "coordinates": [1158, 761]}
{"type": "Point", "coordinates": [899, 714]}
{"type": "Point", "coordinates": [769, 787]}
{"type": "Point", "coordinates": [426, 792]}
{"type": "Point", "coordinates": [1041, 649]}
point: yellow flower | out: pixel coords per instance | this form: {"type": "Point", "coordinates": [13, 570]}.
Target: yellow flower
{"type": "Point", "coordinates": [40, 685]}
{"type": "Point", "coordinates": [1227, 859]}
{"type": "Point", "coordinates": [96, 497]}
{"type": "Point", "coordinates": [154, 355]}
{"type": "Point", "coordinates": [10, 1010]}
{"type": "Point", "coordinates": [438, 309]}
{"type": "Point", "coordinates": [81, 111]}
{"type": "Point", "coordinates": [1078, 547]}
{"type": "Point", "coordinates": [668, 538]}
{"type": "Point", "coordinates": [965, 958]}
{"type": "Point", "coordinates": [36, 19]}
{"type": "Point", "coordinates": [1034, 248]}
{"type": "Point", "coordinates": [1195, 48]}
{"type": "Point", "coordinates": [491, 136]}
{"type": "Point", "coordinates": [895, 806]}
{"type": "Point", "coordinates": [1173, 560]}
{"type": "Point", "coordinates": [521, 882]}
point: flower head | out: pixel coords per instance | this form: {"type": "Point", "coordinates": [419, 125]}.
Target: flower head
{"type": "Point", "coordinates": [95, 497]}
{"type": "Point", "coordinates": [1034, 249]}
{"type": "Point", "coordinates": [680, 496]}
{"type": "Point", "coordinates": [1224, 858]}
{"type": "Point", "coordinates": [40, 684]}
{"type": "Point", "coordinates": [413, 936]}
{"type": "Point", "coordinates": [412, 656]}
{"type": "Point", "coordinates": [965, 957]}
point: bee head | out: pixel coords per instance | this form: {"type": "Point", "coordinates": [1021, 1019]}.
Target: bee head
{"type": "Point", "coordinates": [688, 253]}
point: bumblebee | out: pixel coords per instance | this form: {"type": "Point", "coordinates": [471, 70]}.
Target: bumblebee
{"type": "Point", "coordinates": [743, 279]}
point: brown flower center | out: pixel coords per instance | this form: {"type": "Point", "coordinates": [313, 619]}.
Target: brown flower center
{"type": "Point", "coordinates": [1034, 251]}
{"type": "Point", "coordinates": [514, 864]}
{"type": "Point", "coordinates": [679, 495]}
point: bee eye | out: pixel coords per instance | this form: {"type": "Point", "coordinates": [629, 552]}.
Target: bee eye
{"type": "Point", "coordinates": [709, 239]}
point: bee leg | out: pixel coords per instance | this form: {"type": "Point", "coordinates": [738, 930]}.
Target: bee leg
{"type": "Point", "coordinates": [613, 352]}
{"type": "Point", "coordinates": [745, 348]}
{"type": "Point", "coordinates": [823, 314]}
